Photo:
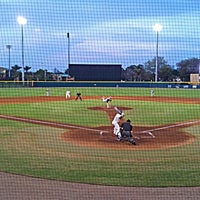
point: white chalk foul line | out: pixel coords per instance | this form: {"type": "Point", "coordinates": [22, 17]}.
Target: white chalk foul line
{"type": "Point", "coordinates": [167, 127]}
{"type": "Point", "coordinates": [149, 133]}
{"type": "Point", "coordinates": [174, 125]}
{"type": "Point", "coordinates": [47, 123]}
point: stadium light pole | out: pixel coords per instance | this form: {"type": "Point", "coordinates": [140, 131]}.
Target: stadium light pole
{"type": "Point", "coordinates": [68, 49]}
{"type": "Point", "coordinates": [22, 21]}
{"type": "Point", "coordinates": [157, 28]}
{"type": "Point", "coordinates": [199, 70]}
{"type": "Point", "coordinates": [8, 47]}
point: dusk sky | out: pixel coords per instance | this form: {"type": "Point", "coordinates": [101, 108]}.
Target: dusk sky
{"type": "Point", "coordinates": [101, 31]}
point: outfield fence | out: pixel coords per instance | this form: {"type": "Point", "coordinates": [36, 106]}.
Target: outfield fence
{"type": "Point", "coordinates": [20, 84]}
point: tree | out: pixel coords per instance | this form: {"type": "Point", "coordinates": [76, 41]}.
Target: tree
{"type": "Point", "coordinates": [187, 67]}
{"type": "Point", "coordinates": [40, 75]}
{"type": "Point", "coordinates": [16, 67]}
{"type": "Point", "coordinates": [148, 76]}
{"type": "Point", "coordinates": [166, 73]}
{"type": "Point", "coordinates": [175, 74]}
{"type": "Point", "coordinates": [67, 71]}
{"type": "Point", "coordinates": [134, 72]}
{"type": "Point", "coordinates": [56, 71]}
{"type": "Point", "coordinates": [123, 74]}
{"type": "Point", "coordinates": [15, 73]}
{"type": "Point", "coordinates": [27, 68]}
{"type": "Point", "coordinates": [138, 69]}
{"type": "Point", "coordinates": [26, 72]}
{"type": "Point", "coordinates": [150, 66]}
{"type": "Point", "coordinates": [127, 74]}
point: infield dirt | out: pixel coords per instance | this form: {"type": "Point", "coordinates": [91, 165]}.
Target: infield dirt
{"type": "Point", "coordinates": [166, 136]}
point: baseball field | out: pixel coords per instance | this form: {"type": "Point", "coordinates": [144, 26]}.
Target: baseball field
{"type": "Point", "coordinates": [59, 139]}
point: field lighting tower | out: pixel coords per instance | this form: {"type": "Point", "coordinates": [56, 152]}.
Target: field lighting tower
{"type": "Point", "coordinates": [8, 47]}
{"type": "Point", "coordinates": [68, 38]}
{"type": "Point", "coordinates": [22, 21]}
{"type": "Point", "coordinates": [157, 28]}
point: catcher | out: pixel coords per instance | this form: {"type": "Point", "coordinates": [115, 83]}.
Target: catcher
{"type": "Point", "coordinates": [126, 130]}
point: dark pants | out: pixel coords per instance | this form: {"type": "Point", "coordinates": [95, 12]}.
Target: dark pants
{"type": "Point", "coordinates": [78, 97]}
{"type": "Point", "coordinates": [127, 134]}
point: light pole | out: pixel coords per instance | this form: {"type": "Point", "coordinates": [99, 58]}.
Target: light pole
{"type": "Point", "coordinates": [22, 21]}
{"type": "Point", "coordinates": [68, 49]}
{"type": "Point", "coordinates": [199, 70]}
{"type": "Point", "coordinates": [157, 28]}
{"type": "Point", "coordinates": [8, 47]}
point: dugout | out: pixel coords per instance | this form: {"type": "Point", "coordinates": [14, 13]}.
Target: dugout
{"type": "Point", "coordinates": [95, 72]}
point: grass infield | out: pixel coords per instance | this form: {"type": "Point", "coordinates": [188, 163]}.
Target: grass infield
{"type": "Point", "coordinates": [37, 150]}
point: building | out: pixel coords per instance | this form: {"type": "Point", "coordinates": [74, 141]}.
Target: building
{"type": "Point", "coordinates": [2, 73]}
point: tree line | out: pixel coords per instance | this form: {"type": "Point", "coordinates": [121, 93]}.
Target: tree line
{"type": "Point", "coordinates": [166, 73]}
{"type": "Point", "coordinates": [140, 72]}
{"type": "Point", "coordinates": [39, 75]}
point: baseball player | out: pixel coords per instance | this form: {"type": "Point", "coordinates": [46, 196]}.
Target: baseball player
{"type": "Point", "coordinates": [67, 94]}
{"type": "Point", "coordinates": [126, 131]}
{"type": "Point", "coordinates": [78, 96]}
{"type": "Point", "coordinates": [115, 123]}
{"type": "Point", "coordinates": [47, 92]}
{"type": "Point", "coordinates": [107, 101]}
{"type": "Point", "coordinates": [152, 93]}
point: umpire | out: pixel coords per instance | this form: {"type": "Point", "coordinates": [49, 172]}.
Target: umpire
{"type": "Point", "coordinates": [126, 129]}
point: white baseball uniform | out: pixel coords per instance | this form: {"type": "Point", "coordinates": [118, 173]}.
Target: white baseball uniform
{"type": "Point", "coordinates": [107, 100]}
{"type": "Point", "coordinates": [67, 94]}
{"type": "Point", "coordinates": [115, 123]}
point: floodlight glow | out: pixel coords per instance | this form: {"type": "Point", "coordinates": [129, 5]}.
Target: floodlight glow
{"type": "Point", "coordinates": [157, 27]}
{"type": "Point", "coordinates": [21, 20]}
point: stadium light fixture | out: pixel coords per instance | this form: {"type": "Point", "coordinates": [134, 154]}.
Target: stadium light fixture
{"type": "Point", "coordinates": [22, 21]}
{"type": "Point", "coordinates": [157, 28]}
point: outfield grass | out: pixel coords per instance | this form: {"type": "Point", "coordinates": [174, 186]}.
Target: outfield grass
{"type": "Point", "coordinates": [168, 92]}
{"type": "Point", "coordinates": [37, 150]}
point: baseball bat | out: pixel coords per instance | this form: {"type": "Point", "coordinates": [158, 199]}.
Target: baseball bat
{"type": "Point", "coordinates": [117, 109]}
